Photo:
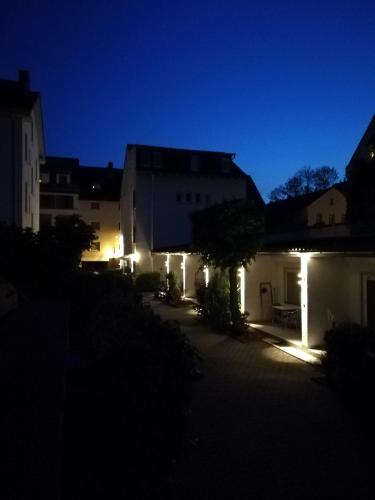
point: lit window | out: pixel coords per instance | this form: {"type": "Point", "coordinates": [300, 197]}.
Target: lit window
{"type": "Point", "coordinates": [95, 205]}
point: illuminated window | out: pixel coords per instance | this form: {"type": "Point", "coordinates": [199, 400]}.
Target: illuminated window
{"type": "Point", "coordinates": [331, 219]}
{"type": "Point", "coordinates": [95, 205]}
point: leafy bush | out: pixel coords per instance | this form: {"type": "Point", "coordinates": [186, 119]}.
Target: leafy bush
{"type": "Point", "coordinates": [213, 302]}
{"type": "Point", "coordinates": [148, 282]}
{"type": "Point", "coordinates": [349, 363]}
{"type": "Point", "coordinates": [173, 296]}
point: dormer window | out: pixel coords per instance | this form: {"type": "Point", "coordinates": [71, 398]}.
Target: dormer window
{"type": "Point", "coordinates": [195, 163]}
{"type": "Point", "coordinates": [225, 165]}
{"type": "Point", "coordinates": [146, 159]}
{"type": "Point", "coordinates": [156, 159]}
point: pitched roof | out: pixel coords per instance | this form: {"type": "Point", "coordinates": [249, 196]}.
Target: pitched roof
{"type": "Point", "coordinates": [182, 161]}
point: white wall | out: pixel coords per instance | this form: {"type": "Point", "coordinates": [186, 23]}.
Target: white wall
{"type": "Point", "coordinates": [323, 205]}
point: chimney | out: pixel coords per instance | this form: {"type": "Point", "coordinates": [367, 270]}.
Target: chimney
{"type": "Point", "coordinates": [24, 79]}
{"type": "Point", "coordinates": [110, 164]}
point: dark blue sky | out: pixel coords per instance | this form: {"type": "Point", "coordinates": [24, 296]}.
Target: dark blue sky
{"type": "Point", "coordinates": [282, 84]}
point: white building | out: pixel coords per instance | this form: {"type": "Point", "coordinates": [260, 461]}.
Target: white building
{"type": "Point", "coordinates": [21, 152]}
{"type": "Point", "coordinates": [161, 188]}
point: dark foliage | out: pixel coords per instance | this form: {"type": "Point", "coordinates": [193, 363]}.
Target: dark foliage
{"type": "Point", "coordinates": [126, 409]}
{"type": "Point", "coordinates": [213, 302]}
{"type": "Point", "coordinates": [173, 295]}
{"type": "Point", "coordinates": [41, 262]}
{"type": "Point", "coordinates": [349, 364]}
{"type": "Point", "coordinates": [306, 180]}
{"type": "Point", "coordinates": [148, 282]}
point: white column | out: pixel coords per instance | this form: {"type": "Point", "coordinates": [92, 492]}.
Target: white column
{"type": "Point", "coordinates": [241, 275]}
{"type": "Point", "coordinates": [304, 257]}
{"type": "Point", "coordinates": [167, 264]}
{"type": "Point", "coordinates": [183, 267]}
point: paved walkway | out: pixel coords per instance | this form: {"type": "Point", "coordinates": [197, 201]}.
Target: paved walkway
{"type": "Point", "coordinates": [264, 429]}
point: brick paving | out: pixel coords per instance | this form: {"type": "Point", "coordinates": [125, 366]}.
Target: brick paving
{"type": "Point", "coordinates": [264, 429]}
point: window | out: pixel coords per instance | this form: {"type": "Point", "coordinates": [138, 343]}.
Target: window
{"type": "Point", "coordinates": [225, 165]}
{"type": "Point", "coordinates": [64, 202]}
{"type": "Point", "coordinates": [195, 163]}
{"type": "Point", "coordinates": [45, 220]}
{"type": "Point", "coordinates": [156, 159]}
{"type": "Point", "coordinates": [198, 198]}
{"type": "Point", "coordinates": [62, 179]}
{"type": "Point", "coordinates": [178, 197]}
{"type": "Point", "coordinates": [95, 225]}
{"type": "Point", "coordinates": [319, 218]}
{"type": "Point", "coordinates": [331, 219]}
{"type": "Point", "coordinates": [52, 201]}
{"type": "Point", "coordinates": [208, 198]}
{"type": "Point", "coordinates": [95, 246]}
{"type": "Point", "coordinates": [331, 201]}
{"type": "Point", "coordinates": [95, 205]}
{"type": "Point", "coordinates": [145, 159]}
{"type": "Point", "coordinates": [188, 197]}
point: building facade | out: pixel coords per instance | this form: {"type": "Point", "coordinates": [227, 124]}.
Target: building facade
{"type": "Point", "coordinates": [161, 188]}
{"type": "Point", "coordinates": [93, 193]}
{"type": "Point", "coordinates": [22, 152]}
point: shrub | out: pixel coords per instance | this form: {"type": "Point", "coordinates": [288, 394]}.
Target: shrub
{"type": "Point", "coordinates": [173, 295]}
{"type": "Point", "coordinates": [349, 363]}
{"type": "Point", "coordinates": [213, 302]}
{"type": "Point", "coordinates": [148, 282]}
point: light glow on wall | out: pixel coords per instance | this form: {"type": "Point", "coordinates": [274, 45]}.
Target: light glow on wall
{"type": "Point", "coordinates": [206, 273]}
{"type": "Point", "coordinates": [241, 275]}
{"type": "Point", "coordinates": [167, 264]}
{"type": "Point", "coordinates": [303, 282]}
{"type": "Point", "coordinates": [183, 267]}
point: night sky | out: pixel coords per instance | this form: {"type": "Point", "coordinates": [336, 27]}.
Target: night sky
{"type": "Point", "coordinates": [282, 84]}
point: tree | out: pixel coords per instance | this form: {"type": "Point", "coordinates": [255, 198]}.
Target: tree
{"type": "Point", "coordinates": [228, 235]}
{"type": "Point", "coordinates": [306, 180]}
